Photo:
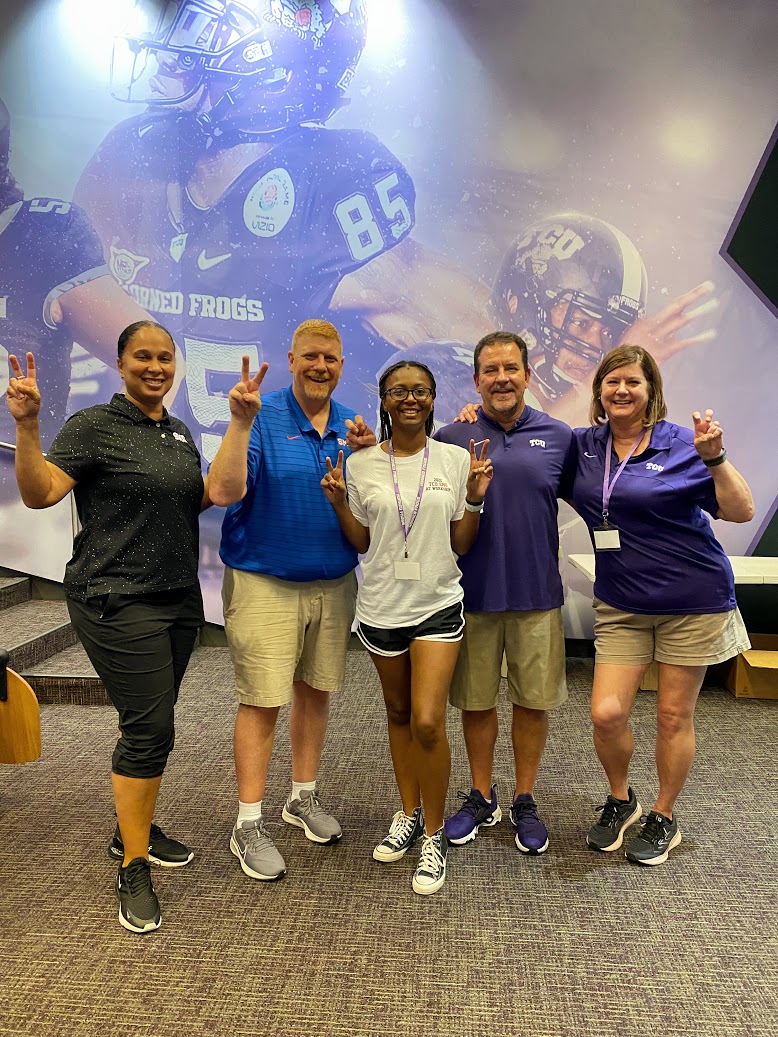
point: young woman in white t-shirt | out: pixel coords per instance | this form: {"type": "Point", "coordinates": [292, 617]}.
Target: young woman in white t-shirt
{"type": "Point", "coordinates": [412, 506]}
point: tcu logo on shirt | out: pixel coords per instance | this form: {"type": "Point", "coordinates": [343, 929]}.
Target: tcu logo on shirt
{"type": "Point", "coordinates": [537, 442]}
{"type": "Point", "coordinates": [651, 467]}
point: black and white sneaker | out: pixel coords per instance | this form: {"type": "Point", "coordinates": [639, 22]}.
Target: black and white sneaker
{"type": "Point", "coordinates": [431, 871]}
{"type": "Point", "coordinates": [658, 836]}
{"type": "Point", "coordinates": [615, 818]}
{"type": "Point", "coordinates": [404, 830]}
{"type": "Point", "coordinates": [138, 904]}
{"type": "Point", "coordinates": [167, 852]}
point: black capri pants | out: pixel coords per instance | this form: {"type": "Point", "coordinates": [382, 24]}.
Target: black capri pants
{"type": "Point", "coordinates": [140, 646]}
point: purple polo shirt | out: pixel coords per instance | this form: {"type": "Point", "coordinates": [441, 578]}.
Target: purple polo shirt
{"type": "Point", "coordinates": [670, 563]}
{"type": "Point", "coordinates": [514, 563]}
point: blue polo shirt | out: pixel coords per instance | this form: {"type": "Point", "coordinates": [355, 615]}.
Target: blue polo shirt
{"type": "Point", "coordinates": [514, 563]}
{"type": "Point", "coordinates": [670, 562]}
{"type": "Point", "coordinates": [285, 526]}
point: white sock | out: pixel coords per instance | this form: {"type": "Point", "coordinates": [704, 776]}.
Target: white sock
{"type": "Point", "coordinates": [302, 786]}
{"type": "Point", "coordinates": [249, 811]}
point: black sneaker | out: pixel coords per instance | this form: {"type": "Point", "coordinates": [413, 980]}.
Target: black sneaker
{"type": "Point", "coordinates": [616, 817]}
{"type": "Point", "coordinates": [138, 904]}
{"type": "Point", "coordinates": [167, 852]}
{"type": "Point", "coordinates": [656, 839]}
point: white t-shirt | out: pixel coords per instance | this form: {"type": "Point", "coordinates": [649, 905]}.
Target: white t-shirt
{"type": "Point", "coordinates": [384, 601]}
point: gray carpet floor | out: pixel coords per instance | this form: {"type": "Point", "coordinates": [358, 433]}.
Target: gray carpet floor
{"type": "Point", "coordinates": [571, 943]}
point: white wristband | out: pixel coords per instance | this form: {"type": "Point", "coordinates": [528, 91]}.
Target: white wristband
{"type": "Point", "coordinates": [474, 507]}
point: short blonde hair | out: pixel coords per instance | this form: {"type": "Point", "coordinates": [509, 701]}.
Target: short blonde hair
{"type": "Point", "coordinates": [323, 328]}
{"type": "Point", "coordinates": [623, 356]}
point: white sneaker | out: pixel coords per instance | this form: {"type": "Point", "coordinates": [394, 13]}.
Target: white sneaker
{"type": "Point", "coordinates": [431, 871]}
{"type": "Point", "coordinates": [403, 833]}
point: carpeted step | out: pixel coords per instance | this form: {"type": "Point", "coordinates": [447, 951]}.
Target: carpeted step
{"type": "Point", "coordinates": [69, 677]}
{"type": "Point", "coordinates": [34, 630]}
{"type": "Point", "coordinates": [14, 590]}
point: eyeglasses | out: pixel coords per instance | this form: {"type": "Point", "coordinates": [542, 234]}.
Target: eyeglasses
{"type": "Point", "coordinates": [399, 393]}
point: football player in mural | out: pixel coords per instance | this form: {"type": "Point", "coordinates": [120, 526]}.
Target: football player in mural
{"type": "Point", "coordinates": [54, 288]}
{"type": "Point", "coordinates": [231, 211]}
{"type": "Point", "coordinates": [573, 287]}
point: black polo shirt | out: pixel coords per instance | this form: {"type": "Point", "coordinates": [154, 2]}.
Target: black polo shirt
{"type": "Point", "coordinates": [138, 492]}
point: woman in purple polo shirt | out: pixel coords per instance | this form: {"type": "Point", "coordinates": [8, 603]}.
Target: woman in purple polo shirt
{"type": "Point", "coordinates": [664, 587]}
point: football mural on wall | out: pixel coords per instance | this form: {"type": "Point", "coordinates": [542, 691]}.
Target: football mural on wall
{"type": "Point", "coordinates": [419, 173]}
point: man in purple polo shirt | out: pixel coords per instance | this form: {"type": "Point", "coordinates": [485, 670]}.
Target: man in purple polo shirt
{"type": "Point", "coordinates": [513, 590]}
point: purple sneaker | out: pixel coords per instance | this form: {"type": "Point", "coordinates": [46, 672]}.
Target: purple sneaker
{"type": "Point", "coordinates": [531, 833]}
{"type": "Point", "coordinates": [475, 811]}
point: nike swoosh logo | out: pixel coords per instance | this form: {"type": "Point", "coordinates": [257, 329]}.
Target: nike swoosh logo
{"type": "Point", "coordinates": [589, 455]}
{"type": "Point", "coordinates": [143, 130]}
{"type": "Point", "coordinates": [293, 437]}
{"type": "Point", "coordinates": [205, 263]}
{"type": "Point", "coordinates": [478, 442]}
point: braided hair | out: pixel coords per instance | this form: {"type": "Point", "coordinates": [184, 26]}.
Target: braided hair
{"type": "Point", "coordinates": [386, 422]}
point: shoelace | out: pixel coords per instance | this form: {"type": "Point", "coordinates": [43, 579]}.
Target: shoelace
{"type": "Point", "coordinates": [311, 805]}
{"type": "Point", "coordinates": [431, 858]}
{"type": "Point", "coordinates": [654, 828]}
{"type": "Point", "coordinates": [400, 828]}
{"type": "Point", "coordinates": [257, 836]}
{"type": "Point", "coordinates": [522, 810]}
{"type": "Point", "coordinates": [470, 805]}
{"type": "Point", "coordinates": [609, 812]}
{"type": "Point", "coordinates": [137, 877]}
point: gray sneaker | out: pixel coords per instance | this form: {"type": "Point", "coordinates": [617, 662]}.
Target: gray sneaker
{"type": "Point", "coordinates": [256, 851]}
{"type": "Point", "coordinates": [615, 818]}
{"type": "Point", "coordinates": [308, 813]}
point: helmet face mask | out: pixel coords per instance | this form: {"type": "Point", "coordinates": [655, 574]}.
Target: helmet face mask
{"type": "Point", "coordinates": [255, 68]}
{"type": "Point", "coordinates": [571, 285]}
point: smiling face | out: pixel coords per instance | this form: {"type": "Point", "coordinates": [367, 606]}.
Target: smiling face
{"type": "Point", "coordinates": [409, 414]}
{"type": "Point", "coordinates": [148, 366]}
{"type": "Point", "coordinates": [316, 363]}
{"type": "Point", "coordinates": [625, 394]}
{"type": "Point", "coordinates": [501, 381]}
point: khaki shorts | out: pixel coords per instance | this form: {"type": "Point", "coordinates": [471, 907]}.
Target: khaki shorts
{"type": "Point", "coordinates": [534, 647]}
{"type": "Point", "coordinates": [280, 631]}
{"type": "Point", "coordinates": [631, 639]}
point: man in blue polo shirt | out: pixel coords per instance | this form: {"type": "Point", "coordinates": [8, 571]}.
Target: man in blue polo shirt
{"type": "Point", "coordinates": [289, 588]}
{"type": "Point", "coordinates": [513, 590]}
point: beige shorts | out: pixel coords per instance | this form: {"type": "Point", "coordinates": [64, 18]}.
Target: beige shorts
{"type": "Point", "coordinates": [631, 639]}
{"type": "Point", "coordinates": [280, 632]}
{"type": "Point", "coordinates": [534, 647]}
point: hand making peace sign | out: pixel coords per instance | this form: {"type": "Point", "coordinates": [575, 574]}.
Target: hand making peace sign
{"type": "Point", "coordinates": [244, 398]}
{"type": "Point", "coordinates": [708, 435]}
{"type": "Point", "coordinates": [22, 395]}
{"type": "Point", "coordinates": [333, 483]}
{"type": "Point", "coordinates": [481, 473]}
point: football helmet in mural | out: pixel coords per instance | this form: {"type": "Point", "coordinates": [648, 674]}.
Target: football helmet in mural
{"type": "Point", "coordinates": [247, 69]}
{"type": "Point", "coordinates": [570, 285]}
{"type": "Point", "coordinates": [9, 192]}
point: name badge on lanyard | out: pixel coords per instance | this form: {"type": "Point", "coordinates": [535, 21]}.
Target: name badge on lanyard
{"type": "Point", "coordinates": [406, 569]}
{"type": "Point", "coordinates": [606, 536]}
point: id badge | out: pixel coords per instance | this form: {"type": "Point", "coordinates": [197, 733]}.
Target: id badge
{"type": "Point", "coordinates": [606, 538]}
{"type": "Point", "coordinates": [406, 570]}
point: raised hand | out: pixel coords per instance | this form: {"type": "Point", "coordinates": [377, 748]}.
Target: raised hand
{"type": "Point", "coordinates": [22, 395]}
{"type": "Point", "coordinates": [333, 483]}
{"type": "Point", "coordinates": [708, 435]}
{"type": "Point", "coordinates": [244, 399]}
{"type": "Point", "coordinates": [481, 473]}
{"type": "Point", "coordinates": [469, 413]}
{"type": "Point", "coordinates": [359, 433]}
{"type": "Point", "coordinates": [660, 334]}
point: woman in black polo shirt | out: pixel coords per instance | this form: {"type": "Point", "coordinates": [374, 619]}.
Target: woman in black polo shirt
{"type": "Point", "coordinates": [131, 584]}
